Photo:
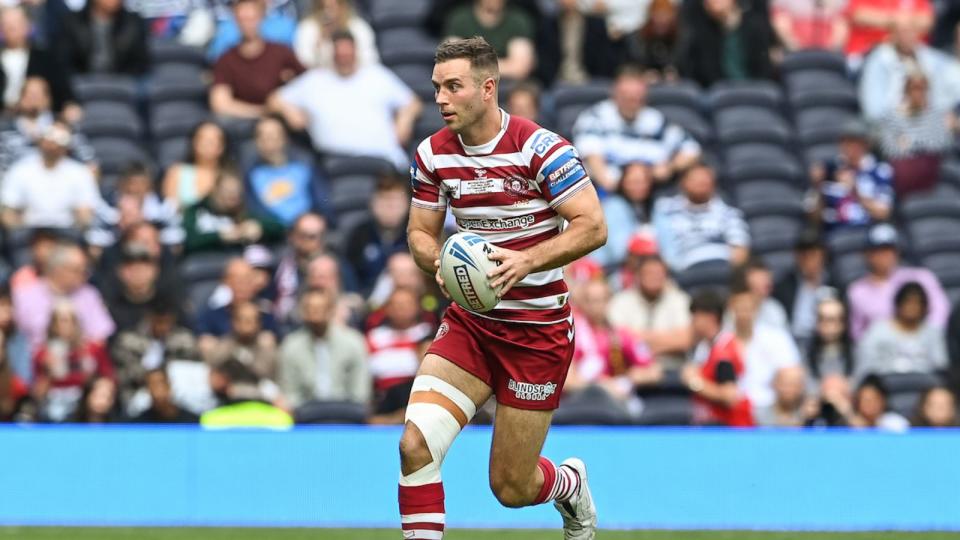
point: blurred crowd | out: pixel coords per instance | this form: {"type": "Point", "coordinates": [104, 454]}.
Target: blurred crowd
{"type": "Point", "coordinates": [204, 205]}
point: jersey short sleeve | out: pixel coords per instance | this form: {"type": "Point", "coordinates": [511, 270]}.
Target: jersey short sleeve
{"type": "Point", "coordinates": [555, 166]}
{"type": "Point", "coordinates": [425, 186]}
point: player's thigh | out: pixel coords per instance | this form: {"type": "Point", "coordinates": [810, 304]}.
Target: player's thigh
{"type": "Point", "coordinates": [518, 436]}
{"type": "Point", "coordinates": [437, 366]}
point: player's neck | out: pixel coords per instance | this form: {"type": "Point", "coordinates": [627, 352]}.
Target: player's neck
{"type": "Point", "coordinates": [484, 130]}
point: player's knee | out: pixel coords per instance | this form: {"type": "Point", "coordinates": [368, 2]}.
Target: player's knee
{"type": "Point", "coordinates": [414, 452]}
{"type": "Point", "coordinates": [511, 490]}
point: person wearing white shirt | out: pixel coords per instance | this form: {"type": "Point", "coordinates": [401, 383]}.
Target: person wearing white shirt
{"type": "Point", "coordinates": [352, 109]}
{"type": "Point", "coordinates": [49, 189]}
{"type": "Point", "coordinates": [313, 41]}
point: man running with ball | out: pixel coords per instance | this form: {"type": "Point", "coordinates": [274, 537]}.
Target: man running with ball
{"type": "Point", "coordinates": [524, 189]}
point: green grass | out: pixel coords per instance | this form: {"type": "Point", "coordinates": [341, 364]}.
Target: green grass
{"type": "Point", "coordinates": [62, 533]}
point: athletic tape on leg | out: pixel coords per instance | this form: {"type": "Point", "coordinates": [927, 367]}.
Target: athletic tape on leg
{"type": "Point", "coordinates": [439, 410]}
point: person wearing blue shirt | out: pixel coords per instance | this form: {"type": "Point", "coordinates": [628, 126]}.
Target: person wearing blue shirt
{"type": "Point", "coordinates": [281, 186]}
{"type": "Point", "coordinates": [277, 27]}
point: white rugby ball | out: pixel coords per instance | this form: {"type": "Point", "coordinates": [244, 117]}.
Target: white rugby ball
{"type": "Point", "coordinates": [463, 268]}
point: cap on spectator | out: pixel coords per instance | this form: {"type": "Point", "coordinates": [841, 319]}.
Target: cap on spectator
{"type": "Point", "coordinates": [258, 256]}
{"type": "Point", "coordinates": [855, 128]}
{"type": "Point", "coordinates": [882, 235]}
{"type": "Point", "coordinates": [136, 252]}
{"type": "Point", "coordinates": [584, 269]}
{"type": "Point", "coordinates": [809, 239]}
{"type": "Point", "coordinates": [643, 245]}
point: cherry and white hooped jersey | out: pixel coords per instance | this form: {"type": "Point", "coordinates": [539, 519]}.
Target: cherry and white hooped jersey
{"type": "Point", "coordinates": [506, 191]}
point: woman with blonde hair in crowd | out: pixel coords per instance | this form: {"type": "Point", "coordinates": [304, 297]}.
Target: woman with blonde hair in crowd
{"type": "Point", "coordinates": [313, 41]}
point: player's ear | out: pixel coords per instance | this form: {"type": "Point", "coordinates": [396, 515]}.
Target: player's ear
{"type": "Point", "coordinates": [489, 88]}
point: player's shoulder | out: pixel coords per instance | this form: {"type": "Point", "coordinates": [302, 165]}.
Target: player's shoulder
{"type": "Point", "coordinates": [443, 141]}
{"type": "Point", "coordinates": [533, 141]}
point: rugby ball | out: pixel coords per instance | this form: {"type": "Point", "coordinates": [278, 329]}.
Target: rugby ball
{"type": "Point", "coordinates": [463, 268]}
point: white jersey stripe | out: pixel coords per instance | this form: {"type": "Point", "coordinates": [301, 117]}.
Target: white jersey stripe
{"type": "Point", "coordinates": [424, 535]}
{"type": "Point", "coordinates": [508, 211]}
{"type": "Point", "coordinates": [424, 518]}
{"type": "Point", "coordinates": [541, 278]}
{"type": "Point", "coordinates": [546, 302]}
{"type": "Point", "coordinates": [442, 161]}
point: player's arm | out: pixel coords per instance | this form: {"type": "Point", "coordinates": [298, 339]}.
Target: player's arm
{"type": "Point", "coordinates": [423, 236]}
{"type": "Point", "coordinates": [585, 232]}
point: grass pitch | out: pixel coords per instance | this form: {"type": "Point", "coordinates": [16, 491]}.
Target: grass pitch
{"type": "Point", "coordinates": [71, 533]}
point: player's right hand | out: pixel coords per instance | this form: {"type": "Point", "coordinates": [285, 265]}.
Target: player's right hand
{"type": "Point", "coordinates": [436, 264]}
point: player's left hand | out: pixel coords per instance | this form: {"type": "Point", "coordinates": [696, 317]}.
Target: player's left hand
{"type": "Point", "coordinates": [514, 266]}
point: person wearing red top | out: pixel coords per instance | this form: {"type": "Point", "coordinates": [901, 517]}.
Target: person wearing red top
{"type": "Point", "coordinates": [608, 357]}
{"type": "Point", "coordinates": [718, 365]}
{"type": "Point", "coordinates": [871, 20]}
{"type": "Point", "coordinates": [65, 363]}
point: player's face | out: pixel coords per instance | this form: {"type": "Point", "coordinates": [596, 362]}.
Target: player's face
{"type": "Point", "coordinates": [458, 96]}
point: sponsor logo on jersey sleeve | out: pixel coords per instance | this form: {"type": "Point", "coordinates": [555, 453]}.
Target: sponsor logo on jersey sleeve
{"type": "Point", "coordinates": [543, 141]}
{"type": "Point", "coordinates": [563, 172]}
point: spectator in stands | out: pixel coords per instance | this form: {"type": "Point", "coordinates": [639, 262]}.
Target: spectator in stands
{"type": "Point", "coordinates": [135, 285]}
{"type": "Point", "coordinates": [656, 311]}
{"type": "Point", "coordinates": [13, 389]}
{"type": "Point", "coordinates": [192, 179]}
{"type": "Point", "coordinates": [697, 226]}
{"type": "Point", "coordinates": [15, 350]}
{"type": "Point", "coordinates": [810, 24]}
{"type": "Point", "coordinates": [235, 93]}
{"type": "Point", "coordinates": [523, 101]}
{"type": "Point", "coordinates": [758, 280]}
{"type": "Point", "coordinates": [31, 117]}
{"type": "Point", "coordinates": [627, 212]}
{"type": "Point", "coordinates": [915, 136]}
{"type": "Point", "coordinates": [247, 342]}
{"type": "Point", "coordinates": [65, 278]}
{"type": "Point", "coordinates": [325, 273]}
{"type": "Point", "coordinates": [66, 361]}
{"type": "Point", "coordinates": [624, 129]}
{"type": "Point", "coordinates": [871, 408]}
{"type": "Point", "coordinates": [831, 351]}
{"type": "Point", "coordinates": [835, 404]}
{"type": "Point", "coordinates": [135, 202]}
{"type": "Point", "coordinates": [871, 297]}
{"type": "Point", "coordinates": [276, 25]}
{"type": "Point", "coordinates": [278, 186]}
{"type": "Point", "coordinates": [507, 28]}
{"type": "Point", "coordinates": [937, 408]}
{"type": "Point", "coordinates": [726, 40]}
{"type": "Point", "coordinates": [874, 21]}
{"type": "Point", "coordinates": [157, 340]}
{"type": "Point", "coordinates": [162, 409]}
{"type": "Point", "coordinates": [98, 404]}
{"type": "Point", "coordinates": [242, 401]}
{"type": "Point", "coordinates": [141, 235]}
{"type": "Point", "coordinates": [654, 45]}
{"type": "Point", "coordinates": [104, 37]}
{"type": "Point", "coordinates": [606, 355]}
{"type": "Point", "coordinates": [717, 367]}
{"type": "Point", "coordinates": [216, 322]}
{"type": "Point", "coordinates": [402, 272]}
{"type": "Point", "coordinates": [42, 242]}
{"type": "Point", "coordinates": [854, 189]}
{"type": "Point", "coordinates": [221, 222]}
{"type": "Point", "coordinates": [905, 342]}
{"type": "Point", "coordinates": [394, 354]}
{"type": "Point", "coordinates": [49, 189]}
{"type": "Point", "coordinates": [797, 290]}
{"type": "Point", "coordinates": [885, 71]}
{"type": "Point", "coordinates": [953, 348]}
{"type": "Point", "coordinates": [789, 407]}
{"type": "Point", "coordinates": [369, 245]}
{"type": "Point", "coordinates": [22, 59]}
{"type": "Point", "coordinates": [764, 348]}
{"type": "Point", "coordinates": [313, 41]}
{"type": "Point", "coordinates": [324, 360]}
{"type": "Point", "coordinates": [378, 123]}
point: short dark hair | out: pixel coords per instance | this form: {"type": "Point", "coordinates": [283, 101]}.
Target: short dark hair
{"type": "Point", "coordinates": [708, 301]}
{"type": "Point", "coordinates": [911, 288]}
{"type": "Point", "coordinates": [482, 56]}
{"type": "Point", "coordinates": [528, 87]}
{"type": "Point", "coordinates": [628, 70]}
{"type": "Point", "coordinates": [342, 34]}
{"type": "Point", "coordinates": [134, 168]}
{"type": "Point", "coordinates": [391, 181]}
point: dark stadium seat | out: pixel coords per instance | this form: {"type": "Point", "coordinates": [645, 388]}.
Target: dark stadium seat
{"type": "Point", "coordinates": [427, 124]}
{"type": "Point", "coordinates": [176, 119]}
{"type": "Point", "coordinates": [581, 94]}
{"type": "Point", "coordinates": [706, 275]}
{"type": "Point", "coordinates": [566, 117]}
{"type": "Point", "coordinates": [821, 89]}
{"type": "Point", "coordinates": [198, 293]}
{"type": "Point", "coordinates": [177, 86]}
{"type": "Point", "coordinates": [387, 14]}
{"type": "Point", "coordinates": [349, 165]}
{"type": "Point", "coordinates": [819, 125]}
{"type": "Point", "coordinates": [905, 389]}
{"type": "Point", "coordinates": [110, 88]}
{"type": "Point", "coordinates": [933, 235]}
{"type": "Point", "coordinates": [928, 205]}
{"type": "Point", "coordinates": [684, 93]}
{"type": "Point", "coordinates": [202, 267]}
{"type": "Point", "coordinates": [754, 153]}
{"type": "Point", "coordinates": [788, 172]}
{"type": "Point", "coordinates": [848, 267]}
{"type": "Point", "coordinates": [691, 120]}
{"type": "Point", "coordinates": [814, 59]}
{"type": "Point", "coordinates": [114, 154]}
{"type": "Point", "coordinates": [172, 52]}
{"type": "Point", "coordinates": [346, 222]}
{"type": "Point", "coordinates": [780, 263]}
{"type": "Point", "coordinates": [724, 95]}
{"type": "Point", "coordinates": [331, 412]}
{"type": "Point", "coordinates": [762, 198]}
{"type": "Point", "coordinates": [770, 233]}
{"type": "Point", "coordinates": [171, 150]}
{"type": "Point", "coordinates": [819, 153]}
{"type": "Point", "coordinates": [950, 172]}
{"type": "Point", "coordinates": [591, 406]}
{"type": "Point", "coordinates": [406, 46]}
{"type": "Point", "coordinates": [946, 266]}
{"type": "Point", "coordinates": [351, 192]}
{"type": "Point", "coordinates": [847, 240]}
{"type": "Point", "coordinates": [106, 119]}
{"type": "Point", "coordinates": [666, 411]}
{"type": "Point", "coordinates": [745, 124]}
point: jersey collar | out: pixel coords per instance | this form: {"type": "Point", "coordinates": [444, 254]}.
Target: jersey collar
{"type": "Point", "coordinates": [487, 148]}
